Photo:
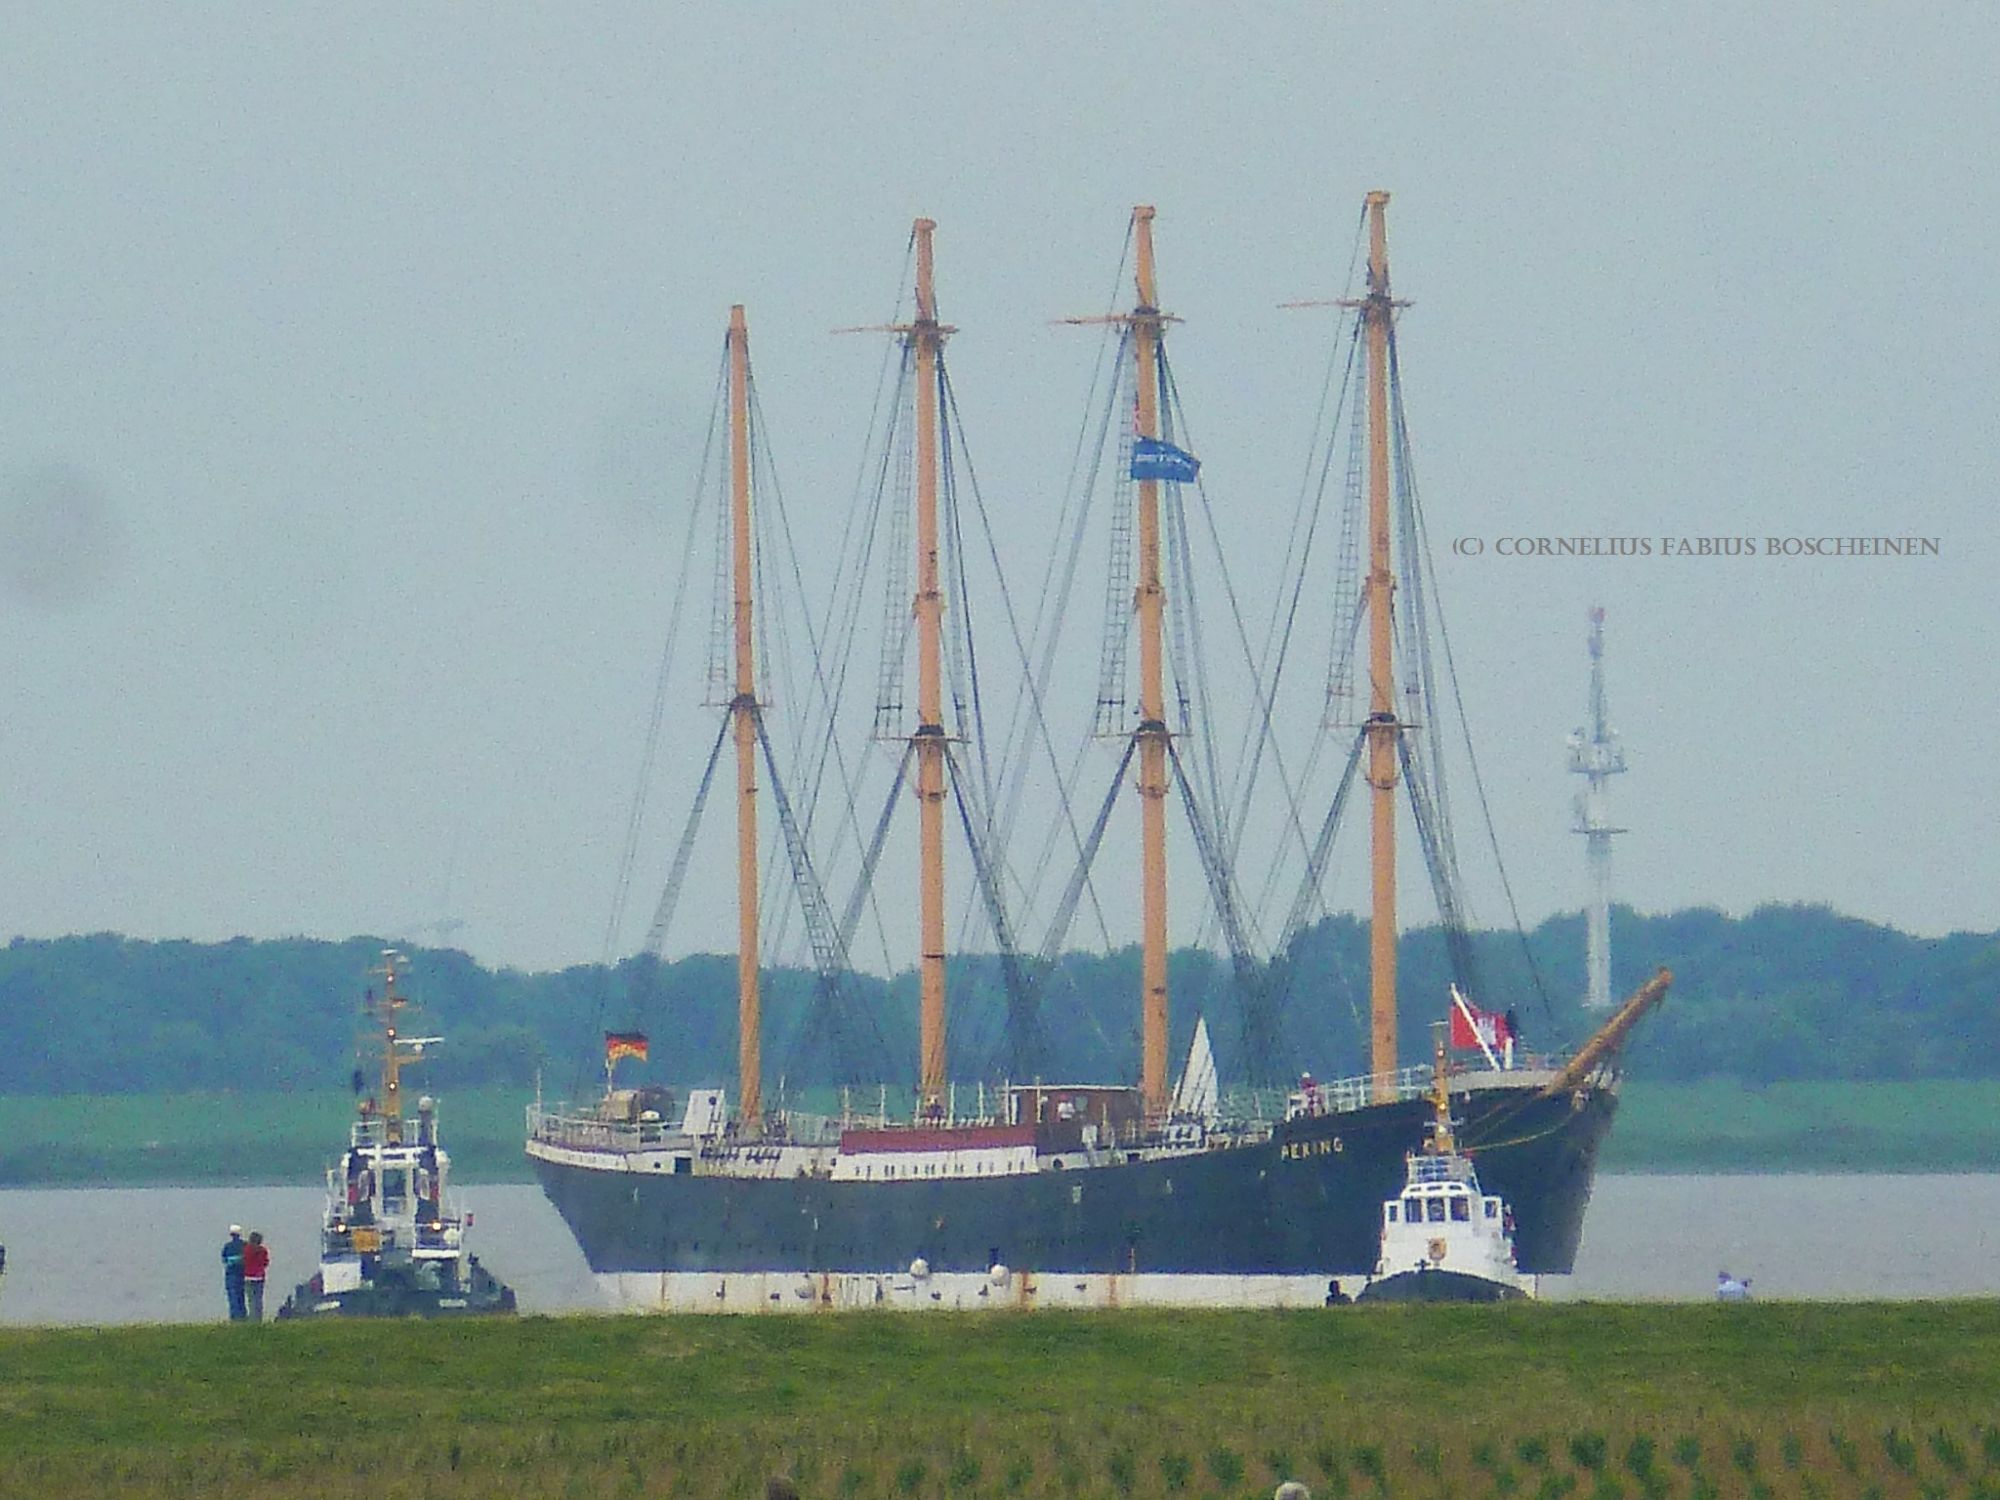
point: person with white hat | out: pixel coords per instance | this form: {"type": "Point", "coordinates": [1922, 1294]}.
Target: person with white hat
{"type": "Point", "coordinates": [232, 1273]}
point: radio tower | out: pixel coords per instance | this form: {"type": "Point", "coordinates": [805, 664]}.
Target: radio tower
{"type": "Point", "coordinates": [1594, 753]}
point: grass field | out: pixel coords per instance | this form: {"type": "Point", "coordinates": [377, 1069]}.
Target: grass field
{"type": "Point", "coordinates": [1714, 1126]}
{"type": "Point", "coordinates": [1539, 1402]}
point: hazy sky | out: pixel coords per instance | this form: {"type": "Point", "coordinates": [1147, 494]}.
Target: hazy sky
{"type": "Point", "coordinates": [351, 359]}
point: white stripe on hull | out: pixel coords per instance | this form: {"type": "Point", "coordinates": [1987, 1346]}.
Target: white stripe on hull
{"type": "Point", "coordinates": [960, 1291]}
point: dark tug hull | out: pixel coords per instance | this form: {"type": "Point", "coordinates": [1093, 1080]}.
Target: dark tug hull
{"type": "Point", "coordinates": [1306, 1202]}
{"type": "Point", "coordinates": [401, 1296]}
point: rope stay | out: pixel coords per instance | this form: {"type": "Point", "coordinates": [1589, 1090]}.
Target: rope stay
{"type": "Point", "coordinates": [1311, 896]}
{"type": "Point", "coordinates": [1072, 895]}
{"type": "Point", "coordinates": [897, 617]}
{"type": "Point", "coordinates": [1451, 916]}
{"type": "Point", "coordinates": [1259, 1039]}
{"type": "Point", "coordinates": [807, 718]}
{"type": "Point", "coordinates": [1112, 671]}
{"type": "Point", "coordinates": [670, 894]}
{"type": "Point", "coordinates": [864, 882]}
{"type": "Point", "coordinates": [837, 1015]}
{"type": "Point", "coordinates": [1347, 599]}
{"type": "Point", "coordinates": [1027, 1045]}
{"type": "Point", "coordinates": [649, 756]}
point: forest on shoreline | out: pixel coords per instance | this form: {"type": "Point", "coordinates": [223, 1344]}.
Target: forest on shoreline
{"type": "Point", "coordinates": [1783, 994]}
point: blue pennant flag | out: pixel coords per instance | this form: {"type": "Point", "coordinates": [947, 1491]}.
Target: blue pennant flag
{"type": "Point", "coordinates": [1154, 459]}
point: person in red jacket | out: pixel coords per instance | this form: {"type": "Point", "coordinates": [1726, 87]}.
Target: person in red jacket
{"type": "Point", "coordinates": [256, 1265]}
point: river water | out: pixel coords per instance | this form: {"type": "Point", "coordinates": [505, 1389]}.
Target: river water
{"type": "Point", "coordinates": [152, 1255]}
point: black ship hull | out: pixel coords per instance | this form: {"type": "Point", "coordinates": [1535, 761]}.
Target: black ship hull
{"type": "Point", "coordinates": [395, 1296]}
{"type": "Point", "coordinates": [1305, 1202]}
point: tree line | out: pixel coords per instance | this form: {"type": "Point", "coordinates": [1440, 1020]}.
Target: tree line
{"type": "Point", "coordinates": [1784, 993]}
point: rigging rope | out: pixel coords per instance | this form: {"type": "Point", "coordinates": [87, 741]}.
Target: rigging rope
{"type": "Point", "coordinates": [837, 1015]}
{"type": "Point", "coordinates": [636, 818]}
{"type": "Point", "coordinates": [864, 882]}
{"type": "Point", "coordinates": [1260, 1043]}
{"type": "Point", "coordinates": [670, 895]}
{"type": "Point", "coordinates": [1050, 612]}
{"type": "Point", "coordinates": [830, 746]}
{"type": "Point", "coordinates": [1027, 1049]}
{"type": "Point", "coordinates": [1479, 786]}
{"type": "Point", "coordinates": [1073, 893]}
{"type": "Point", "coordinates": [1261, 696]}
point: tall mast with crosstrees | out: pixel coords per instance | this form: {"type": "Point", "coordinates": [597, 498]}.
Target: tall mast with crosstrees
{"type": "Point", "coordinates": [1152, 739]}
{"type": "Point", "coordinates": [743, 713]}
{"type": "Point", "coordinates": [1150, 602]}
{"type": "Point", "coordinates": [1383, 728]}
{"type": "Point", "coordinates": [924, 338]}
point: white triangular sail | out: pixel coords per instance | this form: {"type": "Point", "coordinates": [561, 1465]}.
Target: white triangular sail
{"type": "Point", "coordinates": [1198, 1092]}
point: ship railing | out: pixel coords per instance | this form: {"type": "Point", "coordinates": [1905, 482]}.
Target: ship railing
{"type": "Point", "coordinates": [1339, 1095]}
{"type": "Point", "coordinates": [584, 1128]}
{"type": "Point", "coordinates": [590, 1131]}
{"type": "Point", "coordinates": [800, 1129]}
{"type": "Point", "coordinates": [1435, 1169]}
{"type": "Point", "coordinates": [1242, 1103]}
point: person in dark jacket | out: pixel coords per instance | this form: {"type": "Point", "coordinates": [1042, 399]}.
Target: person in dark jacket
{"type": "Point", "coordinates": [232, 1272]}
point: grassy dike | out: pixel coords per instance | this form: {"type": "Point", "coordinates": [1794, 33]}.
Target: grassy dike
{"type": "Point", "coordinates": [1715, 1126]}
{"type": "Point", "coordinates": [1541, 1402]}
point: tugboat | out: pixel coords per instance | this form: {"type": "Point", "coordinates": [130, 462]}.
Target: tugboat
{"type": "Point", "coordinates": [1443, 1240]}
{"type": "Point", "coordinates": [392, 1242]}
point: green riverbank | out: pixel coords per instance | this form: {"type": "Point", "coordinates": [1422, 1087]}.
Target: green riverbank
{"type": "Point", "coordinates": [142, 1139]}
{"type": "Point", "coordinates": [1703, 1127]}
{"type": "Point", "coordinates": [1543, 1401]}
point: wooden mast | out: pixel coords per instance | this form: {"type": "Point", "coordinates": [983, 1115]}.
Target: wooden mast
{"type": "Point", "coordinates": [743, 711]}
{"type": "Point", "coordinates": [1383, 728]}
{"type": "Point", "coordinates": [1152, 731]}
{"type": "Point", "coordinates": [924, 339]}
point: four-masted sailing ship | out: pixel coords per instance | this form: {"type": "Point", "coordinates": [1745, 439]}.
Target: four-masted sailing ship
{"type": "Point", "coordinates": [1049, 1193]}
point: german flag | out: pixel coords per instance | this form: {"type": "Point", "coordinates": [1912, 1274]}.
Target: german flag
{"type": "Point", "coordinates": [619, 1044]}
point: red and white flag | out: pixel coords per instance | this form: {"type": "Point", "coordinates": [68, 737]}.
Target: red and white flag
{"type": "Point", "coordinates": [1473, 1028]}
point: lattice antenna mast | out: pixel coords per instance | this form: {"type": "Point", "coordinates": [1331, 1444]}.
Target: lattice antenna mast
{"type": "Point", "coordinates": [1596, 755]}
